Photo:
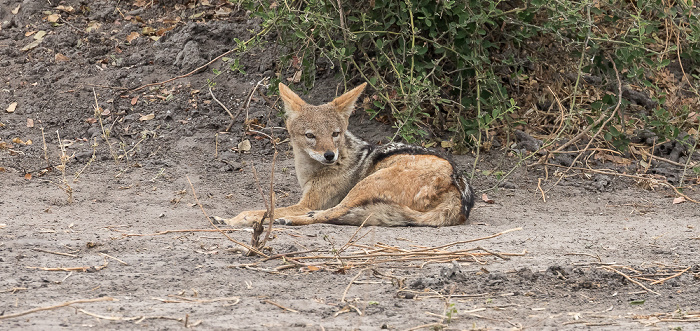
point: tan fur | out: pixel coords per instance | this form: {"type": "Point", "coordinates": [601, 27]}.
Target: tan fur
{"type": "Point", "coordinates": [348, 188]}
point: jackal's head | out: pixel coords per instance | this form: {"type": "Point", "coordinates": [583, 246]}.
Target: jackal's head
{"type": "Point", "coordinates": [319, 131]}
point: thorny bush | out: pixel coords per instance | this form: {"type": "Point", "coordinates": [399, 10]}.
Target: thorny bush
{"type": "Point", "coordinates": [470, 69]}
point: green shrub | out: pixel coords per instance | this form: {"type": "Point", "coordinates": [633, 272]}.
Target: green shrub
{"type": "Point", "coordinates": [464, 66]}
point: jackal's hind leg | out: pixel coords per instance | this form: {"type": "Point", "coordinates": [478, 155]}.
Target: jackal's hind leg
{"type": "Point", "coordinates": [369, 214]}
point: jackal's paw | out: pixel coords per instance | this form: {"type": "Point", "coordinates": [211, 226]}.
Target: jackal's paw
{"type": "Point", "coordinates": [296, 220]}
{"type": "Point", "coordinates": [218, 220]}
{"type": "Point", "coordinates": [246, 218]}
{"type": "Point", "coordinates": [282, 221]}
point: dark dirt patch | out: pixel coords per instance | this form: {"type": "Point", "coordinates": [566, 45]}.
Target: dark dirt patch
{"type": "Point", "coordinates": [586, 225]}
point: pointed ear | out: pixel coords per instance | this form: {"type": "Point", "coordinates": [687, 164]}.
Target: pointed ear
{"type": "Point", "coordinates": [346, 102]}
{"type": "Point", "coordinates": [292, 102]}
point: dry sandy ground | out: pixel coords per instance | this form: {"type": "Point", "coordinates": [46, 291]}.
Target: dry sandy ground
{"type": "Point", "coordinates": [586, 258]}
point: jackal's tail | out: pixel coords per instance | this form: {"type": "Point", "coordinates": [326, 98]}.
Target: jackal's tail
{"type": "Point", "coordinates": [466, 192]}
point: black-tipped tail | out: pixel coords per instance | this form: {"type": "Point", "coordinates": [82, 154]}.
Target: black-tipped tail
{"type": "Point", "coordinates": [467, 194]}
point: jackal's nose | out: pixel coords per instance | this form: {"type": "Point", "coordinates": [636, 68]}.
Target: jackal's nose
{"type": "Point", "coordinates": [329, 156]}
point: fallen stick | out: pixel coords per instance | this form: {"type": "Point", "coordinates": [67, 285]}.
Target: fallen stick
{"type": "Point", "coordinates": [138, 319]}
{"type": "Point", "coordinates": [181, 299]}
{"type": "Point", "coordinates": [347, 288]}
{"type": "Point", "coordinates": [179, 231]}
{"type": "Point", "coordinates": [283, 255]}
{"type": "Point", "coordinates": [539, 186]}
{"type": "Point", "coordinates": [436, 326]}
{"type": "Point", "coordinates": [472, 240]}
{"type": "Point", "coordinates": [56, 306]}
{"type": "Point", "coordinates": [114, 258]}
{"type": "Point", "coordinates": [411, 254]}
{"type": "Point", "coordinates": [630, 279]}
{"type": "Point", "coordinates": [51, 252]}
{"type": "Point", "coordinates": [645, 153]}
{"type": "Point", "coordinates": [82, 269]}
{"type": "Point", "coordinates": [670, 277]}
{"type": "Point", "coordinates": [14, 289]}
{"type": "Point", "coordinates": [221, 104]}
{"type": "Point", "coordinates": [280, 306]}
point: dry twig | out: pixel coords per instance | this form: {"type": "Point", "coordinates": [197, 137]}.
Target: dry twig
{"type": "Point", "coordinates": [50, 252]}
{"type": "Point", "coordinates": [179, 231]}
{"type": "Point", "coordinates": [630, 279]}
{"type": "Point", "coordinates": [280, 306]}
{"type": "Point", "coordinates": [81, 269]}
{"type": "Point", "coordinates": [672, 276]}
{"type": "Point", "coordinates": [56, 306]}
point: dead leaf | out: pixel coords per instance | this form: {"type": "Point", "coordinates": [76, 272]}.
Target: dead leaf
{"type": "Point", "coordinates": [148, 31]}
{"type": "Point", "coordinates": [2, 169]}
{"type": "Point", "coordinates": [163, 31]}
{"type": "Point", "coordinates": [40, 35]}
{"type": "Point", "coordinates": [223, 11]}
{"type": "Point", "coordinates": [447, 144]}
{"type": "Point", "coordinates": [134, 100]}
{"type": "Point", "coordinates": [147, 117]}
{"type": "Point", "coordinates": [296, 78]}
{"type": "Point", "coordinates": [132, 36]}
{"type": "Point", "coordinates": [31, 45]}
{"type": "Point", "coordinates": [693, 117]}
{"type": "Point", "coordinates": [28, 176]}
{"type": "Point", "coordinates": [53, 18]}
{"type": "Point", "coordinates": [613, 158]}
{"type": "Point", "coordinates": [11, 108]}
{"type": "Point", "coordinates": [244, 145]}
{"type": "Point", "coordinates": [678, 200]}
{"type": "Point", "coordinates": [29, 33]}
{"type": "Point", "coordinates": [60, 58]}
{"type": "Point", "coordinates": [16, 10]}
{"type": "Point", "coordinates": [67, 9]}
{"type": "Point", "coordinates": [92, 26]}
{"type": "Point", "coordinates": [38, 38]}
{"type": "Point", "coordinates": [313, 268]}
{"type": "Point", "coordinates": [30, 123]}
{"type": "Point", "coordinates": [196, 16]}
{"type": "Point", "coordinates": [486, 199]}
{"type": "Point", "coordinates": [91, 120]}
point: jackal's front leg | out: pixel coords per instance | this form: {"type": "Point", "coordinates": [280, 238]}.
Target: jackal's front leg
{"type": "Point", "coordinates": [247, 218]}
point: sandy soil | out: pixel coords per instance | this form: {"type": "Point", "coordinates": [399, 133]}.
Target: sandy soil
{"type": "Point", "coordinates": [585, 258]}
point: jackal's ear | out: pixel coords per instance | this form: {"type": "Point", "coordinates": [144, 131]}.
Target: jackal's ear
{"type": "Point", "coordinates": [292, 102]}
{"type": "Point", "coordinates": [346, 102]}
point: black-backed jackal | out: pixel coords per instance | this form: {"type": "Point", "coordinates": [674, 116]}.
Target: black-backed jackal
{"type": "Point", "coordinates": [348, 181]}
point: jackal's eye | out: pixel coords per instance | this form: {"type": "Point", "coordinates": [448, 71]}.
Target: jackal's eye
{"type": "Point", "coordinates": [336, 134]}
{"type": "Point", "coordinates": [310, 136]}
